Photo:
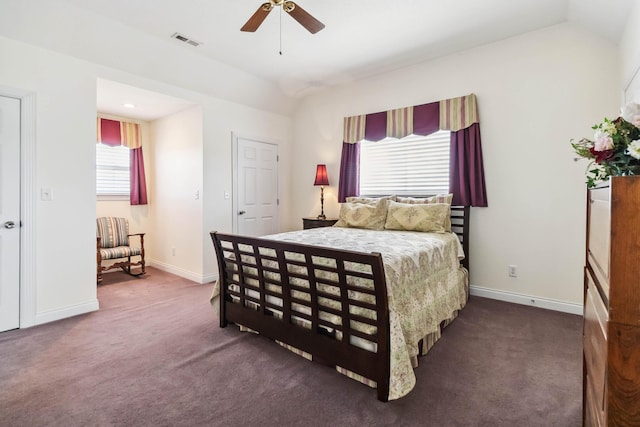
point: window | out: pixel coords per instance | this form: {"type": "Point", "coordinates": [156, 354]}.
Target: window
{"type": "Point", "coordinates": [112, 170]}
{"type": "Point", "coordinates": [411, 166]}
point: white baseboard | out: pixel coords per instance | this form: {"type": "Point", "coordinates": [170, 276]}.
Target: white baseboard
{"type": "Point", "coordinates": [198, 278]}
{"type": "Point", "coordinates": [210, 278]}
{"type": "Point", "coordinates": [62, 313]}
{"type": "Point", "coordinates": [546, 303]}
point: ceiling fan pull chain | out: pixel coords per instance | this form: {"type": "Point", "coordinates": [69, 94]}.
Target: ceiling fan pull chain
{"type": "Point", "coordinates": [280, 31]}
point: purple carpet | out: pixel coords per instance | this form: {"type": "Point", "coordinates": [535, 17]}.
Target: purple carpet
{"type": "Point", "coordinates": [153, 355]}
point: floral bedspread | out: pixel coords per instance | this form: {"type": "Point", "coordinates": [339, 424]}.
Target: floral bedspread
{"type": "Point", "coordinates": [425, 284]}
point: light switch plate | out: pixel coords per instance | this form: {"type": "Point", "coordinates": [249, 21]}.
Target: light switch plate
{"type": "Point", "coordinates": [46, 194]}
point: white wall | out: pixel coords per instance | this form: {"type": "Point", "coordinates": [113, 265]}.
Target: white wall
{"type": "Point", "coordinates": [225, 119]}
{"type": "Point", "coordinates": [65, 157]}
{"type": "Point", "coordinates": [176, 233]}
{"type": "Point", "coordinates": [68, 29]}
{"type": "Point", "coordinates": [630, 46]}
{"type": "Point", "coordinates": [535, 93]}
{"type": "Point", "coordinates": [65, 91]}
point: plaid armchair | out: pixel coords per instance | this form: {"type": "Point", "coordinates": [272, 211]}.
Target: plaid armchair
{"type": "Point", "coordinates": [112, 242]}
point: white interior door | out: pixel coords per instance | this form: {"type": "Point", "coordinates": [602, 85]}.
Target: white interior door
{"type": "Point", "coordinates": [9, 213]}
{"type": "Point", "coordinates": [257, 188]}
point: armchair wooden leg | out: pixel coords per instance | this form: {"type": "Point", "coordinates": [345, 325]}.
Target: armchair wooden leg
{"type": "Point", "coordinates": [142, 252]}
{"type": "Point", "coordinates": [98, 262]}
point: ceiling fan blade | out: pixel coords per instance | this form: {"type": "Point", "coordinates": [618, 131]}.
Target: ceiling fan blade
{"type": "Point", "coordinates": [303, 17]}
{"type": "Point", "coordinates": [257, 18]}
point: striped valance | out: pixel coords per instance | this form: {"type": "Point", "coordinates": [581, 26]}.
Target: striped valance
{"type": "Point", "coordinates": [450, 114]}
{"type": "Point", "coordinates": [458, 113]}
{"type": "Point", "coordinates": [115, 132]}
{"type": "Point", "coordinates": [400, 122]}
{"type": "Point", "coordinates": [354, 129]}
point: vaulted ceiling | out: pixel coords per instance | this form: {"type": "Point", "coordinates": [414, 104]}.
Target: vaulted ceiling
{"type": "Point", "coordinates": [361, 38]}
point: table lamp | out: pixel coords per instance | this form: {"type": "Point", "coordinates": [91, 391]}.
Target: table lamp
{"type": "Point", "coordinates": [321, 179]}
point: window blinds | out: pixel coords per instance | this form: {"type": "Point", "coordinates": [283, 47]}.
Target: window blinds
{"type": "Point", "coordinates": [411, 166]}
{"type": "Point", "coordinates": [112, 170]}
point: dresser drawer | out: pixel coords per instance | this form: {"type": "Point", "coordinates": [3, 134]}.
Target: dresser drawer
{"type": "Point", "coordinates": [595, 342]}
{"type": "Point", "coordinates": [593, 413]}
{"type": "Point", "coordinates": [599, 244]}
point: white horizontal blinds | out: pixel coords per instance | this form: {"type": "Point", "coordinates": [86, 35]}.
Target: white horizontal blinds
{"type": "Point", "coordinates": [112, 170]}
{"type": "Point", "coordinates": [413, 165]}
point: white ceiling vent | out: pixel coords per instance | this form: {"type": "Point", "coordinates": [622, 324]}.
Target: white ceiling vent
{"type": "Point", "coordinates": [185, 39]}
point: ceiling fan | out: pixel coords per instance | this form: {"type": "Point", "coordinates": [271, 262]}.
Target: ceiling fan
{"type": "Point", "coordinates": [298, 13]}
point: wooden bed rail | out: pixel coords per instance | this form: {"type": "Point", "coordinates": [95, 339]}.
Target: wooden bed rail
{"type": "Point", "coordinates": [329, 303]}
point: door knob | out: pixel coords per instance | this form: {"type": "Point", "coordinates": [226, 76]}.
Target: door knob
{"type": "Point", "coordinates": [242, 212]}
{"type": "Point", "coordinates": [9, 224]}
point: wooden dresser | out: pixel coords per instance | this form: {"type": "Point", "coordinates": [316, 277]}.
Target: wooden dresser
{"type": "Point", "coordinates": [611, 341]}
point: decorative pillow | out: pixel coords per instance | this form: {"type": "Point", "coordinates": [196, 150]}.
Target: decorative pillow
{"type": "Point", "coordinates": [417, 217]}
{"type": "Point", "coordinates": [363, 215]}
{"type": "Point", "coordinates": [369, 200]}
{"type": "Point", "coordinates": [438, 198]}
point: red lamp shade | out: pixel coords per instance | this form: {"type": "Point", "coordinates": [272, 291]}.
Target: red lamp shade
{"type": "Point", "coordinates": [321, 175]}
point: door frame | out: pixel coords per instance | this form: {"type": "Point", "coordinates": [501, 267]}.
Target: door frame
{"type": "Point", "coordinates": [27, 281]}
{"type": "Point", "coordinates": [234, 176]}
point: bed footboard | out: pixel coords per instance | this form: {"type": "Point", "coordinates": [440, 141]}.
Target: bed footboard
{"type": "Point", "coordinates": [329, 303]}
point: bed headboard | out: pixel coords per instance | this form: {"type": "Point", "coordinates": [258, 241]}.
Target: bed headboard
{"type": "Point", "coordinates": [460, 226]}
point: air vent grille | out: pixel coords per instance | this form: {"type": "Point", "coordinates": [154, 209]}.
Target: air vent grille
{"type": "Point", "coordinates": [185, 39]}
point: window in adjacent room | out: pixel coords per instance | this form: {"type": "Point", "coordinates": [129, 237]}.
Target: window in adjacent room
{"type": "Point", "coordinates": [112, 171]}
{"type": "Point", "coordinates": [413, 165]}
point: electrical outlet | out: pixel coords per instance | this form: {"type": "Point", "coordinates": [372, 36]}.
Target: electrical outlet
{"type": "Point", "coordinates": [513, 271]}
{"type": "Point", "coordinates": [173, 251]}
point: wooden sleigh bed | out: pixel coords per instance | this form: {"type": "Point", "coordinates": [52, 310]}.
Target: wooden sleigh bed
{"type": "Point", "coordinates": [333, 304]}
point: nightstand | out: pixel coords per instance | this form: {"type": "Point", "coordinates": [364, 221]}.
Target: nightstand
{"type": "Point", "coordinates": [314, 222]}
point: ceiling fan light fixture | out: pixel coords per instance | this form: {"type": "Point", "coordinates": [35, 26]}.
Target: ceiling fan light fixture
{"type": "Point", "coordinates": [310, 23]}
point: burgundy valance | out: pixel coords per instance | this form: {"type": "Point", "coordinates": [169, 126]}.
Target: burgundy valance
{"type": "Point", "coordinates": [458, 115]}
{"type": "Point", "coordinates": [115, 132]}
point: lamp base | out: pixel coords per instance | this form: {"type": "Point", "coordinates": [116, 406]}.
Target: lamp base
{"type": "Point", "coordinates": [322, 215]}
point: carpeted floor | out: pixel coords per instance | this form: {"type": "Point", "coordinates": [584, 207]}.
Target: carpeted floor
{"type": "Point", "coordinates": [153, 355]}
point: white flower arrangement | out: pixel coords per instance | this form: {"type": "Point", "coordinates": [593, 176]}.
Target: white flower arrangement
{"type": "Point", "coordinates": [615, 149]}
